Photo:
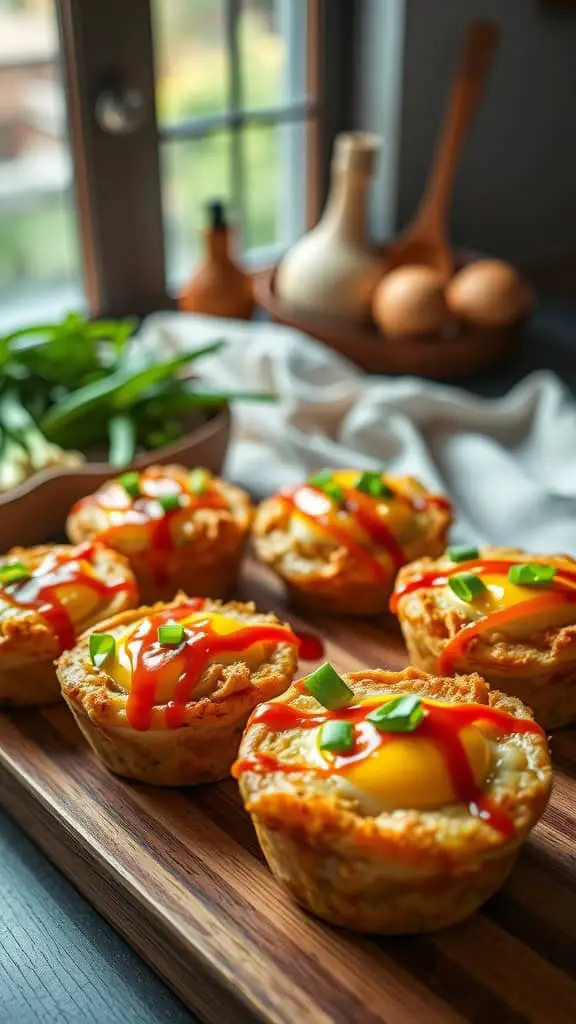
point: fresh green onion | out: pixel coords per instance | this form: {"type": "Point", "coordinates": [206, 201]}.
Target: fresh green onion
{"type": "Point", "coordinates": [198, 480]}
{"type": "Point", "coordinates": [169, 501]}
{"type": "Point", "coordinates": [463, 553]}
{"type": "Point", "coordinates": [403, 714]}
{"type": "Point", "coordinates": [328, 688]}
{"type": "Point", "coordinates": [466, 585]}
{"type": "Point", "coordinates": [335, 493]}
{"type": "Point", "coordinates": [324, 482]}
{"type": "Point", "coordinates": [171, 635]}
{"type": "Point", "coordinates": [531, 574]}
{"type": "Point", "coordinates": [337, 737]}
{"type": "Point", "coordinates": [323, 476]}
{"type": "Point", "coordinates": [372, 483]}
{"type": "Point", "coordinates": [13, 572]}
{"type": "Point", "coordinates": [131, 483]}
{"type": "Point", "coordinates": [102, 646]}
{"type": "Point", "coordinates": [122, 438]}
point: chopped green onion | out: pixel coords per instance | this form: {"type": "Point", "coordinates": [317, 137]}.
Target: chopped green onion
{"type": "Point", "coordinates": [462, 553]}
{"type": "Point", "coordinates": [324, 482]}
{"type": "Point", "coordinates": [12, 572]}
{"type": "Point", "coordinates": [372, 483]}
{"type": "Point", "coordinates": [531, 574]}
{"type": "Point", "coordinates": [466, 585]}
{"type": "Point", "coordinates": [102, 646]}
{"type": "Point", "coordinates": [323, 476]}
{"type": "Point", "coordinates": [403, 714]}
{"type": "Point", "coordinates": [198, 480]}
{"type": "Point", "coordinates": [335, 493]}
{"type": "Point", "coordinates": [169, 501]}
{"type": "Point", "coordinates": [131, 483]}
{"type": "Point", "coordinates": [337, 737]}
{"type": "Point", "coordinates": [328, 687]}
{"type": "Point", "coordinates": [171, 635]}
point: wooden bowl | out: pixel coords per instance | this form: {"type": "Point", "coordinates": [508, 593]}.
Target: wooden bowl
{"type": "Point", "coordinates": [36, 509]}
{"type": "Point", "coordinates": [439, 357]}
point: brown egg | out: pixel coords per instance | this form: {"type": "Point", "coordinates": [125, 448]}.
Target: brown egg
{"type": "Point", "coordinates": [489, 293]}
{"type": "Point", "coordinates": [410, 300]}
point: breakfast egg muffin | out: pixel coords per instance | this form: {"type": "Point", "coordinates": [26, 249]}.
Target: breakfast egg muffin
{"type": "Point", "coordinates": [392, 802]}
{"type": "Point", "coordinates": [48, 595]}
{"type": "Point", "coordinates": [338, 540]}
{"type": "Point", "coordinates": [163, 693]}
{"type": "Point", "coordinates": [179, 528]}
{"type": "Point", "coordinates": [509, 615]}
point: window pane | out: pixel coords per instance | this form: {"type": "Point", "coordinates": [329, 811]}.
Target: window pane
{"type": "Point", "coordinates": [193, 172]}
{"type": "Point", "coordinates": [272, 42]}
{"type": "Point", "coordinates": [39, 251]}
{"type": "Point", "coordinates": [191, 59]}
{"type": "Point", "coordinates": [275, 190]}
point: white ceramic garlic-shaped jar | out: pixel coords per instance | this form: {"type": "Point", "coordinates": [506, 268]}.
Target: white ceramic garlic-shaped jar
{"type": "Point", "coordinates": [334, 269]}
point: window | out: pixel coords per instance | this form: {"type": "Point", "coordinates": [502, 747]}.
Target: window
{"type": "Point", "coordinates": [166, 103]}
{"type": "Point", "coordinates": [233, 106]}
{"type": "Point", "coordinates": [39, 260]}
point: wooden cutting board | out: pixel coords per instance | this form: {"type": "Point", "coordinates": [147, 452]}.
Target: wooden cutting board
{"type": "Point", "coordinates": [180, 875]}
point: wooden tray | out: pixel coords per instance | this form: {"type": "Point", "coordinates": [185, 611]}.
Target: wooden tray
{"type": "Point", "coordinates": [180, 875]}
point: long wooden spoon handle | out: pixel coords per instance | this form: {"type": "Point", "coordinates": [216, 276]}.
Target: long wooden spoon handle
{"type": "Point", "coordinates": [471, 74]}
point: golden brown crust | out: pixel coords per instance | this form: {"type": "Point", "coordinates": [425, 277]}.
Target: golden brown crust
{"type": "Point", "coordinates": [540, 670]}
{"type": "Point", "coordinates": [28, 643]}
{"type": "Point", "coordinates": [403, 870]}
{"type": "Point", "coordinates": [322, 574]}
{"type": "Point", "coordinates": [203, 748]}
{"type": "Point", "coordinates": [208, 543]}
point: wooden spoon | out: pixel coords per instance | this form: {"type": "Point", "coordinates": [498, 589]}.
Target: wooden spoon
{"type": "Point", "coordinates": [425, 239]}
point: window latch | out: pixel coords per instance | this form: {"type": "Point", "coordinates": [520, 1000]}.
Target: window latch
{"type": "Point", "coordinates": [120, 110]}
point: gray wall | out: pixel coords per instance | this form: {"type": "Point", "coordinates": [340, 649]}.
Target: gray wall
{"type": "Point", "coordinates": [516, 189]}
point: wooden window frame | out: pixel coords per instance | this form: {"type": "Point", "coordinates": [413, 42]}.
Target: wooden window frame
{"type": "Point", "coordinates": [117, 176]}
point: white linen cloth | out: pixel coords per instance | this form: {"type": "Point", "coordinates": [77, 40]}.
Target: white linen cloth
{"type": "Point", "coordinates": [508, 464]}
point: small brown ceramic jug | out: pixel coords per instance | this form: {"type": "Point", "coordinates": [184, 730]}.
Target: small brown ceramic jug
{"type": "Point", "coordinates": [334, 269]}
{"type": "Point", "coordinates": [218, 287]}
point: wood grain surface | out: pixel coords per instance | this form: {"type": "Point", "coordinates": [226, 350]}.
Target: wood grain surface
{"type": "Point", "coordinates": [180, 875]}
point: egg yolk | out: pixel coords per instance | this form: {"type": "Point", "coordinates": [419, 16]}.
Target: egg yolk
{"type": "Point", "coordinates": [400, 770]}
{"type": "Point", "coordinates": [408, 771]}
{"type": "Point", "coordinates": [169, 664]}
{"type": "Point", "coordinates": [79, 600]}
{"type": "Point", "coordinates": [501, 594]}
{"type": "Point", "coordinates": [397, 515]}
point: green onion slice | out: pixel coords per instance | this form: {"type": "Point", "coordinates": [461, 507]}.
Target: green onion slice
{"type": "Point", "coordinates": [102, 646]}
{"type": "Point", "coordinates": [328, 687]}
{"type": "Point", "coordinates": [12, 572]}
{"type": "Point", "coordinates": [402, 714]}
{"type": "Point", "coordinates": [131, 483]}
{"type": "Point", "coordinates": [169, 501]}
{"type": "Point", "coordinates": [324, 482]}
{"type": "Point", "coordinates": [171, 635]}
{"type": "Point", "coordinates": [531, 574]}
{"type": "Point", "coordinates": [198, 480]}
{"type": "Point", "coordinates": [372, 483]}
{"type": "Point", "coordinates": [466, 585]}
{"type": "Point", "coordinates": [463, 553]}
{"type": "Point", "coordinates": [323, 476]}
{"type": "Point", "coordinates": [337, 737]}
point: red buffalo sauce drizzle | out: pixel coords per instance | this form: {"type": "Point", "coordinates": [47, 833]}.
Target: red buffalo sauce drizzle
{"type": "Point", "coordinates": [201, 642]}
{"type": "Point", "coordinates": [441, 724]}
{"type": "Point", "coordinates": [315, 505]}
{"type": "Point", "coordinates": [311, 646]}
{"type": "Point", "coordinates": [39, 592]}
{"type": "Point", "coordinates": [560, 590]}
{"type": "Point", "coordinates": [146, 510]}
